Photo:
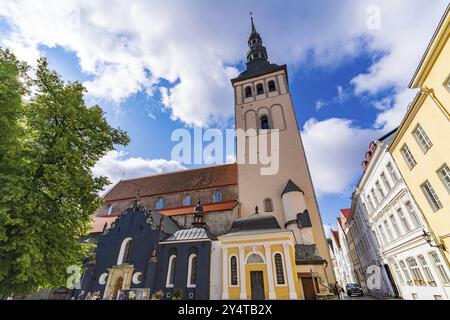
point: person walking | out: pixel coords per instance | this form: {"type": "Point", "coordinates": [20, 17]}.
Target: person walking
{"type": "Point", "coordinates": [81, 295]}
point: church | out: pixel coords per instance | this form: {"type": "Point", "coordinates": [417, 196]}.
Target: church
{"type": "Point", "coordinates": [225, 231]}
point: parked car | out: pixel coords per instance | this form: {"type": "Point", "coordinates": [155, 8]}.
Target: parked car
{"type": "Point", "coordinates": [354, 289]}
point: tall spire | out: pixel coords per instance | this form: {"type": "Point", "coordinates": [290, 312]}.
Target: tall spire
{"type": "Point", "coordinates": [253, 25]}
{"type": "Point", "coordinates": [257, 53]}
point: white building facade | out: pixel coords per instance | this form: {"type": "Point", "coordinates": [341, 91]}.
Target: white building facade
{"type": "Point", "coordinates": [371, 274]}
{"type": "Point", "coordinates": [344, 263]}
{"type": "Point", "coordinates": [409, 261]}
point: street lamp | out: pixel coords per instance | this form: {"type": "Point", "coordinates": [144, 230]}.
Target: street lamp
{"type": "Point", "coordinates": [429, 240]}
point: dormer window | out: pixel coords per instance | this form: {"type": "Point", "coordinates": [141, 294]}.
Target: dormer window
{"type": "Point", "coordinates": [265, 123]}
{"type": "Point", "coordinates": [259, 88]}
{"type": "Point", "coordinates": [272, 86]}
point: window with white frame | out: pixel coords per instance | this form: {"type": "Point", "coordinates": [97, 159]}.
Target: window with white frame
{"type": "Point", "coordinates": [170, 280]}
{"type": "Point", "coordinates": [407, 155]}
{"type": "Point", "coordinates": [382, 234]}
{"type": "Point", "coordinates": [413, 214]}
{"type": "Point", "coordinates": [422, 138]}
{"type": "Point", "coordinates": [386, 183]}
{"type": "Point", "coordinates": [374, 197]}
{"type": "Point", "coordinates": [444, 174]}
{"type": "Point", "coordinates": [380, 191]}
{"type": "Point", "coordinates": [109, 209]}
{"type": "Point", "coordinates": [404, 220]}
{"type": "Point", "coordinates": [392, 172]}
{"type": "Point", "coordinates": [369, 201]}
{"type": "Point", "coordinates": [415, 271]}
{"type": "Point", "coordinates": [388, 230]}
{"type": "Point", "coordinates": [279, 269]}
{"type": "Point", "coordinates": [428, 275]}
{"type": "Point", "coordinates": [233, 271]}
{"type": "Point", "coordinates": [440, 268]}
{"type": "Point", "coordinates": [431, 196]}
{"type": "Point", "coordinates": [399, 274]}
{"type": "Point", "coordinates": [406, 272]}
{"type": "Point", "coordinates": [395, 225]}
{"type": "Point", "coordinates": [192, 271]}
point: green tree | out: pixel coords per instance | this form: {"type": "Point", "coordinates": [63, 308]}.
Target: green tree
{"type": "Point", "coordinates": [51, 194]}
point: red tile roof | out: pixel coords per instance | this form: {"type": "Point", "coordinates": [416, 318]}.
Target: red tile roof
{"type": "Point", "coordinates": [345, 213]}
{"type": "Point", "coordinates": [209, 177]}
{"type": "Point", "coordinates": [340, 221]}
{"type": "Point", "coordinates": [98, 223]}
{"type": "Point", "coordinates": [336, 237]}
{"type": "Point", "coordinates": [209, 207]}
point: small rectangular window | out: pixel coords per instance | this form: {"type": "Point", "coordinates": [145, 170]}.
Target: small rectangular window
{"type": "Point", "coordinates": [422, 138]}
{"type": "Point", "coordinates": [407, 155]}
{"type": "Point", "coordinates": [444, 174]}
{"type": "Point", "coordinates": [431, 196]}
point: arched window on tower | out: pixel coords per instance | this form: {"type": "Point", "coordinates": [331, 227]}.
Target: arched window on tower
{"type": "Point", "coordinates": [271, 85]}
{"type": "Point", "coordinates": [268, 206]}
{"type": "Point", "coordinates": [248, 92]}
{"type": "Point", "coordinates": [265, 122]}
{"type": "Point", "coordinates": [259, 88]}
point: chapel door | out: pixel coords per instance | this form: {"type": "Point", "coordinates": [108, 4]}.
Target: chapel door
{"type": "Point", "coordinates": [257, 285]}
{"type": "Point", "coordinates": [308, 288]}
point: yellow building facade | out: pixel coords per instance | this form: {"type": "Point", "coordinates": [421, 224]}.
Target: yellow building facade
{"type": "Point", "coordinates": [258, 261]}
{"type": "Point", "coordinates": [421, 147]}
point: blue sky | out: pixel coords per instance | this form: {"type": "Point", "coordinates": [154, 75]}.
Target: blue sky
{"type": "Point", "coordinates": [158, 66]}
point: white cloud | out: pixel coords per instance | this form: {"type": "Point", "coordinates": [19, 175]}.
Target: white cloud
{"type": "Point", "coordinates": [335, 149]}
{"type": "Point", "coordinates": [193, 45]}
{"type": "Point", "coordinates": [116, 166]}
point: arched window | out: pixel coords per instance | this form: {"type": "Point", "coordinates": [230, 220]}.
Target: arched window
{"type": "Point", "coordinates": [279, 269]}
{"type": "Point", "coordinates": [187, 200]}
{"type": "Point", "coordinates": [271, 85]}
{"type": "Point", "coordinates": [265, 122]}
{"type": "Point", "coordinates": [233, 271]}
{"type": "Point", "coordinates": [217, 196]}
{"type": "Point", "coordinates": [255, 258]}
{"type": "Point", "coordinates": [171, 271]}
{"type": "Point", "coordinates": [192, 271]}
{"type": "Point", "coordinates": [268, 206]}
{"type": "Point", "coordinates": [160, 203]}
{"type": "Point", "coordinates": [248, 92]}
{"type": "Point", "coordinates": [125, 250]}
{"type": "Point", "coordinates": [109, 209]}
{"type": "Point", "coordinates": [259, 88]}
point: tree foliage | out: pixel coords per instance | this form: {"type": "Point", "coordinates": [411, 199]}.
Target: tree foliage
{"type": "Point", "coordinates": [49, 141]}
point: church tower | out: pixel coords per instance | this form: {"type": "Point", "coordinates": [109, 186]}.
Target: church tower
{"type": "Point", "coordinates": [263, 104]}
